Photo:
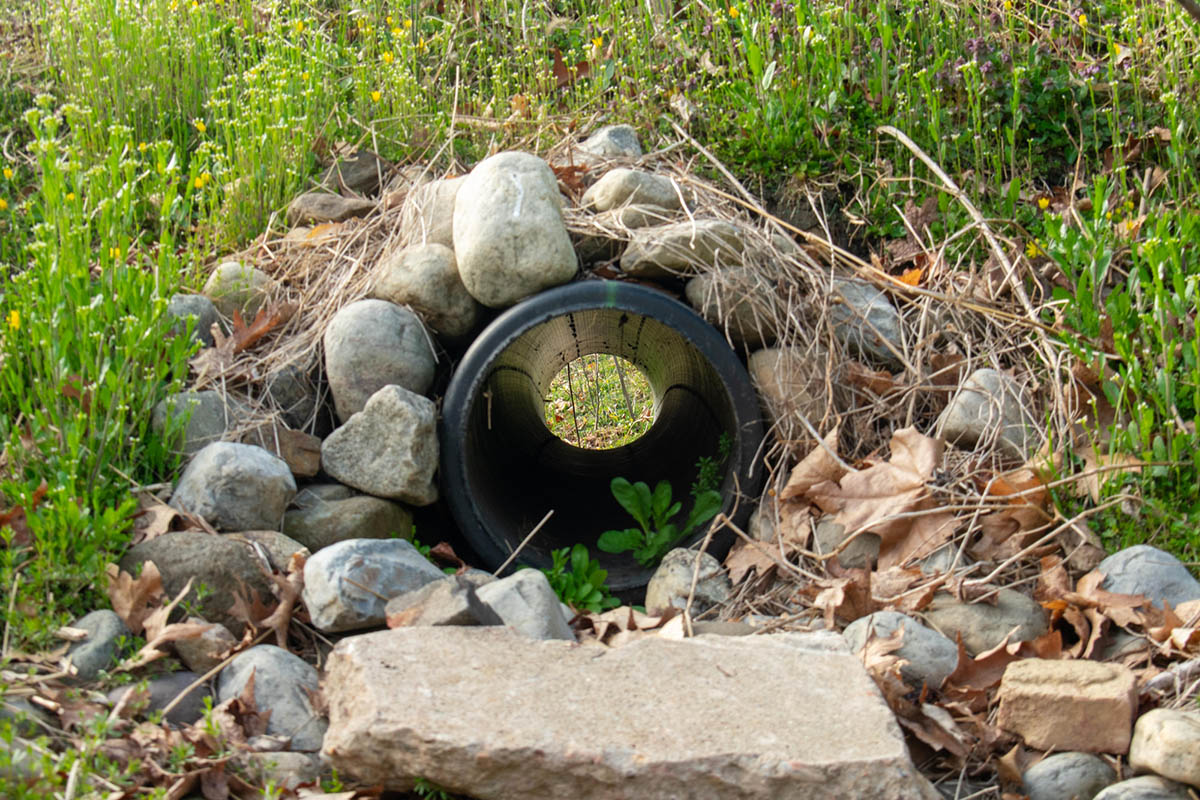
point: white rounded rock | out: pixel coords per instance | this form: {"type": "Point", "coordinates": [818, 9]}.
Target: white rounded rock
{"type": "Point", "coordinates": [509, 235]}
{"type": "Point", "coordinates": [425, 278]}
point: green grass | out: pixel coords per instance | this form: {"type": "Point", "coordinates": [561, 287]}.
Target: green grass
{"type": "Point", "coordinates": [599, 402]}
{"type": "Point", "coordinates": [149, 138]}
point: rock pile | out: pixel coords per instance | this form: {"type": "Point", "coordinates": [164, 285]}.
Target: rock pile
{"type": "Point", "coordinates": [480, 684]}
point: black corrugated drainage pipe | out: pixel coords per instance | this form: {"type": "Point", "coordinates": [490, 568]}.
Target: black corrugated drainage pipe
{"type": "Point", "coordinates": [502, 469]}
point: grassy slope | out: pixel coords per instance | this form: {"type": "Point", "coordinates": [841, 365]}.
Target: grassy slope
{"type": "Point", "coordinates": [171, 130]}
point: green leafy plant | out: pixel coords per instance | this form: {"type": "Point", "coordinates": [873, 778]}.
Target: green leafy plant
{"type": "Point", "coordinates": [708, 474]}
{"type": "Point", "coordinates": [654, 513]}
{"type": "Point", "coordinates": [423, 787]}
{"type": "Point", "coordinates": [578, 580]}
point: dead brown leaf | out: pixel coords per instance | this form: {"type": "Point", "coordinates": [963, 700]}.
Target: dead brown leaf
{"type": "Point", "coordinates": [15, 519]}
{"type": "Point", "coordinates": [134, 599]}
{"type": "Point", "coordinates": [878, 382]}
{"type": "Point", "coordinates": [747, 557]}
{"type": "Point", "coordinates": [817, 467]}
{"type": "Point", "coordinates": [844, 598]}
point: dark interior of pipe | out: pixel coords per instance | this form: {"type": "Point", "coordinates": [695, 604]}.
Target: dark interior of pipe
{"type": "Point", "coordinates": [513, 470]}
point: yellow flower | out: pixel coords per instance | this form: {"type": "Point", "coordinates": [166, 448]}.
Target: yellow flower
{"type": "Point", "coordinates": [1139, 41]}
{"type": "Point", "coordinates": [389, 20]}
{"type": "Point", "coordinates": [200, 126]}
{"type": "Point", "coordinates": [142, 147]}
{"type": "Point", "coordinates": [70, 197]}
{"type": "Point", "coordinates": [421, 45]}
{"type": "Point", "coordinates": [1083, 20]}
{"type": "Point", "coordinates": [407, 24]}
{"type": "Point", "coordinates": [1117, 48]}
{"type": "Point", "coordinates": [1008, 6]}
{"type": "Point", "coordinates": [1043, 203]}
{"type": "Point", "coordinates": [14, 319]}
{"type": "Point", "coordinates": [114, 253]}
{"type": "Point", "coordinates": [205, 178]}
{"type": "Point", "coordinates": [598, 41]}
{"type": "Point", "coordinates": [387, 57]}
{"type": "Point", "coordinates": [300, 26]}
{"type": "Point", "coordinates": [8, 173]}
{"type": "Point", "coordinates": [734, 12]}
{"type": "Point", "coordinates": [376, 95]}
{"type": "Point", "coordinates": [303, 76]}
{"type": "Point", "coordinates": [396, 31]}
{"type": "Point", "coordinates": [1032, 250]}
{"type": "Point", "coordinates": [3, 204]}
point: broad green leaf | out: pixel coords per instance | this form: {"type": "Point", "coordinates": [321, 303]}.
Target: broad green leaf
{"type": "Point", "coordinates": [661, 501]}
{"type": "Point", "coordinates": [619, 541]}
{"type": "Point", "coordinates": [630, 499]}
{"type": "Point", "coordinates": [706, 507]}
{"type": "Point", "coordinates": [581, 592]}
{"type": "Point", "coordinates": [579, 559]}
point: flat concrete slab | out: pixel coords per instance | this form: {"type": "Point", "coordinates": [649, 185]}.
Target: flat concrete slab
{"type": "Point", "coordinates": [489, 713]}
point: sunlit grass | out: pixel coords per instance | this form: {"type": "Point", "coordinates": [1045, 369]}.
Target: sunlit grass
{"type": "Point", "coordinates": [599, 402]}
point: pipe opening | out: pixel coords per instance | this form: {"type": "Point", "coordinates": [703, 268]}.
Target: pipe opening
{"type": "Point", "coordinates": [503, 469]}
{"type": "Point", "coordinates": [598, 402]}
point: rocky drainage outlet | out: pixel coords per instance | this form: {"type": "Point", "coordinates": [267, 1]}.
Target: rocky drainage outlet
{"type": "Point", "coordinates": [502, 469]}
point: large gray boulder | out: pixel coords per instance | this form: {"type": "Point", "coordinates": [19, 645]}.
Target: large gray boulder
{"type": "Point", "coordinates": [221, 565]}
{"type": "Point", "coordinates": [992, 410]}
{"type": "Point", "coordinates": [613, 141]}
{"type": "Point", "coordinates": [620, 187]}
{"type": "Point", "coordinates": [931, 656]}
{"type": "Point", "coordinates": [315, 208]}
{"type": "Point", "coordinates": [234, 286]}
{"type": "Point", "coordinates": [1146, 570]}
{"type": "Point", "coordinates": [209, 416]}
{"type": "Point", "coordinates": [347, 585]}
{"type": "Point", "coordinates": [200, 309]}
{"type": "Point", "coordinates": [389, 449]}
{"type": "Point", "coordinates": [425, 278]}
{"type": "Point", "coordinates": [370, 344]}
{"type": "Point", "coordinates": [284, 684]}
{"type": "Point", "coordinates": [236, 487]}
{"type": "Point", "coordinates": [739, 303]}
{"type": "Point", "coordinates": [360, 172]}
{"type": "Point", "coordinates": [429, 211]}
{"type": "Point", "coordinates": [682, 248]}
{"type": "Point", "coordinates": [864, 320]}
{"type": "Point", "coordinates": [984, 625]}
{"type": "Point", "coordinates": [487, 712]}
{"type": "Point", "coordinates": [509, 235]}
{"type": "Point", "coordinates": [317, 522]}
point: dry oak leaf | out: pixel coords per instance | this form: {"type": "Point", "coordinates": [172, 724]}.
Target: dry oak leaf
{"type": "Point", "coordinates": [844, 598]}
{"type": "Point", "coordinates": [134, 599]}
{"type": "Point", "coordinates": [159, 633]}
{"type": "Point", "coordinates": [819, 466]}
{"type": "Point", "coordinates": [892, 500]}
{"type": "Point", "coordinates": [748, 556]}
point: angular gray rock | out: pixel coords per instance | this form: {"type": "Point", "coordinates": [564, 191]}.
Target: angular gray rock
{"type": "Point", "coordinates": [738, 303]}
{"type": "Point", "coordinates": [621, 187]}
{"type": "Point", "coordinates": [209, 415]}
{"type": "Point", "coordinates": [931, 656]}
{"type": "Point", "coordinates": [509, 235]}
{"type": "Point", "coordinates": [389, 449]}
{"type": "Point", "coordinates": [1147, 787]}
{"type": "Point", "coordinates": [489, 713]}
{"type": "Point", "coordinates": [347, 585]}
{"type": "Point", "coordinates": [525, 602]}
{"type": "Point", "coordinates": [100, 650]}
{"type": "Point", "coordinates": [983, 625]}
{"type": "Point", "coordinates": [370, 344]}
{"type": "Point", "coordinates": [221, 565]}
{"type": "Point", "coordinates": [236, 487]}
{"type": "Point", "coordinates": [613, 141]}
{"type": "Point", "coordinates": [282, 684]}
{"type": "Point", "coordinates": [1068, 775]}
{"type": "Point", "coordinates": [861, 553]}
{"type": "Point", "coordinates": [865, 321]}
{"type": "Point", "coordinates": [991, 409]}
{"type": "Point", "coordinates": [361, 172]}
{"type": "Point", "coordinates": [672, 581]}
{"type": "Point", "coordinates": [425, 278]}
{"type": "Point", "coordinates": [1143, 569]}
{"type": "Point", "coordinates": [314, 208]}
{"type": "Point", "coordinates": [198, 307]}
{"type": "Point", "coordinates": [443, 602]}
{"type": "Point", "coordinates": [201, 653]}
{"type": "Point", "coordinates": [682, 248]}
{"type": "Point", "coordinates": [162, 691]}
{"type": "Point", "coordinates": [428, 216]}
{"type": "Point", "coordinates": [317, 522]}
{"type": "Point", "coordinates": [1166, 741]}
